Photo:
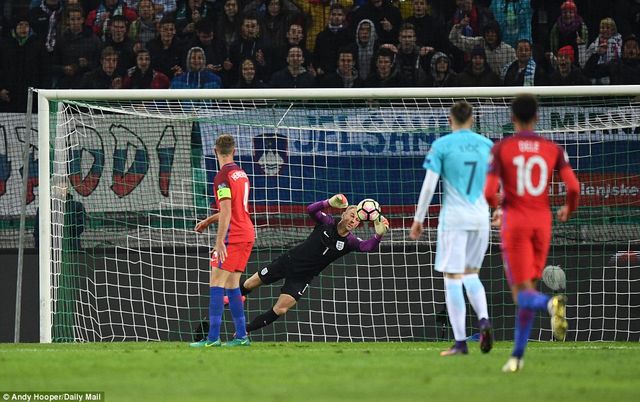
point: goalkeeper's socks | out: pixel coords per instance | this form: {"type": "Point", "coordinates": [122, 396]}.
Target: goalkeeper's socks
{"type": "Point", "coordinates": [476, 294]}
{"type": "Point", "coordinates": [216, 308]}
{"type": "Point", "coordinates": [244, 291]}
{"type": "Point", "coordinates": [456, 307]}
{"type": "Point", "coordinates": [237, 312]}
{"type": "Point", "coordinates": [532, 299]}
{"type": "Point", "coordinates": [524, 323]}
{"type": "Point", "coordinates": [262, 320]}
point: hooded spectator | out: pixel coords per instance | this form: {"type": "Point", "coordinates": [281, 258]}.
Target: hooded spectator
{"type": "Point", "coordinates": [442, 74]}
{"type": "Point", "coordinates": [366, 42]}
{"type": "Point", "coordinates": [386, 17]}
{"type": "Point", "coordinates": [197, 75]}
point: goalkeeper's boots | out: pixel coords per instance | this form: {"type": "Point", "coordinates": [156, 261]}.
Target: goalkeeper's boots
{"type": "Point", "coordinates": [238, 342]}
{"type": "Point", "coordinates": [513, 365]}
{"type": "Point", "coordinates": [558, 312]}
{"type": "Point", "coordinates": [459, 348]}
{"type": "Point", "coordinates": [225, 299]}
{"type": "Point", "coordinates": [205, 343]}
{"type": "Point", "coordinates": [486, 335]}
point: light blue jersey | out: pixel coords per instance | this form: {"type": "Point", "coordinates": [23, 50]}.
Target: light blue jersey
{"type": "Point", "coordinates": [461, 159]}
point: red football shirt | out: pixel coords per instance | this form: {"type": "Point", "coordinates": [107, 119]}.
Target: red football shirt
{"type": "Point", "coordinates": [524, 163]}
{"type": "Point", "coordinates": [232, 182]}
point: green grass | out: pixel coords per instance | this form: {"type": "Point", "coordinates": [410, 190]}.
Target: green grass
{"type": "Point", "coordinates": [324, 372]}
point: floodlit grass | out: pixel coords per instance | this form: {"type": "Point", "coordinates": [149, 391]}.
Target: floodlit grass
{"type": "Point", "coordinates": [324, 372]}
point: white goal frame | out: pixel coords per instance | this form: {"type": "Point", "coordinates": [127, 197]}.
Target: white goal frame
{"type": "Point", "coordinates": [44, 96]}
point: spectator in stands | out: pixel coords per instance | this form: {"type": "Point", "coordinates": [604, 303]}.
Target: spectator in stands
{"type": "Point", "coordinates": [514, 17]}
{"type": "Point", "coordinates": [294, 38]}
{"type": "Point", "coordinates": [367, 44]}
{"type": "Point", "coordinates": [160, 7]}
{"type": "Point", "coordinates": [475, 17]}
{"type": "Point", "coordinates": [250, 46]}
{"type": "Point", "coordinates": [410, 58]}
{"type": "Point", "coordinates": [98, 19]}
{"type": "Point", "coordinates": [228, 25]}
{"type": "Point", "coordinates": [442, 75]}
{"type": "Point", "coordinates": [197, 75]}
{"type": "Point", "coordinates": [144, 28]}
{"type": "Point", "coordinates": [76, 53]}
{"type": "Point", "coordinates": [167, 52]}
{"type": "Point", "coordinates": [498, 53]}
{"type": "Point", "coordinates": [345, 75]}
{"type": "Point", "coordinates": [566, 71]}
{"type": "Point", "coordinates": [429, 31]}
{"type": "Point", "coordinates": [45, 22]}
{"type": "Point", "coordinates": [248, 78]}
{"type": "Point", "coordinates": [478, 73]}
{"type": "Point", "coordinates": [106, 76]}
{"type": "Point", "coordinates": [276, 22]}
{"type": "Point", "coordinates": [623, 71]}
{"type": "Point", "coordinates": [294, 75]}
{"type": "Point", "coordinates": [317, 14]}
{"type": "Point", "coordinates": [524, 71]}
{"type": "Point", "coordinates": [606, 48]}
{"type": "Point", "coordinates": [569, 29]}
{"type": "Point", "coordinates": [204, 39]}
{"type": "Point", "coordinates": [334, 37]}
{"type": "Point", "coordinates": [142, 76]}
{"type": "Point", "coordinates": [385, 16]}
{"type": "Point", "coordinates": [118, 39]}
{"type": "Point", "coordinates": [385, 74]}
{"type": "Point", "coordinates": [189, 13]}
{"type": "Point", "coordinates": [23, 64]}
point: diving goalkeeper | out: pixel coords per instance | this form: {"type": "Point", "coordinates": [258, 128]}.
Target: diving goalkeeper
{"type": "Point", "coordinates": [329, 241]}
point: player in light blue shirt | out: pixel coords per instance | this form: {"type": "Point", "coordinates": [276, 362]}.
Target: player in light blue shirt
{"type": "Point", "coordinates": [461, 159]}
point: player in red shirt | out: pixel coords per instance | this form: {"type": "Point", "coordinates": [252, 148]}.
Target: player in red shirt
{"type": "Point", "coordinates": [524, 164]}
{"type": "Point", "coordinates": [233, 244]}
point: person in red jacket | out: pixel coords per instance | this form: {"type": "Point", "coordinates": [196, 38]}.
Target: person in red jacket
{"type": "Point", "coordinates": [98, 19]}
{"type": "Point", "coordinates": [524, 164]}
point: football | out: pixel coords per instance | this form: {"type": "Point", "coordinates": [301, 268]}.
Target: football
{"type": "Point", "coordinates": [368, 210]}
{"type": "Point", "coordinates": [554, 277]}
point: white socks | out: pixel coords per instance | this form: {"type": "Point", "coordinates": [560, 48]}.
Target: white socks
{"type": "Point", "coordinates": [476, 294]}
{"type": "Point", "coordinates": [456, 307]}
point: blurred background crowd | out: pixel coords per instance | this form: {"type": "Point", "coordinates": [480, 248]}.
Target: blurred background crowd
{"type": "Point", "coordinates": [131, 44]}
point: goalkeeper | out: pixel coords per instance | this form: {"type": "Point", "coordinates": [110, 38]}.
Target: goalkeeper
{"type": "Point", "coordinates": [329, 241]}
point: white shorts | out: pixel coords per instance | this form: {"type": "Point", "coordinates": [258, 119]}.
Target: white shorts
{"type": "Point", "coordinates": [460, 249]}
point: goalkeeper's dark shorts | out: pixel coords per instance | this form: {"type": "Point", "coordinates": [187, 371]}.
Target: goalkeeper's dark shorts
{"type": "Point", "coordinates": [294, 285]}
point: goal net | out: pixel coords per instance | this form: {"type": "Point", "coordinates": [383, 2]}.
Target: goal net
{"type": "Point", "coordinates": [129, 174]}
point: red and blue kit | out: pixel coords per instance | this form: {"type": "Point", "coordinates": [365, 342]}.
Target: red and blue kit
{"type": "Point", "coordinates": [524, 165]}
{"type": "Point", "coordinates": [232, 183]}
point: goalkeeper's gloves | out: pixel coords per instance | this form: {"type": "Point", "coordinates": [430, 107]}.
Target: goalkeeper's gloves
{"type": "Point", "coordinates": [381, 225]}
{"type": "Point", "coordinates": [339, 201]}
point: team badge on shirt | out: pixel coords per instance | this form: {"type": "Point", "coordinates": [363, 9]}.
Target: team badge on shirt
{"type": "Point", "coordinates": [339, 245]}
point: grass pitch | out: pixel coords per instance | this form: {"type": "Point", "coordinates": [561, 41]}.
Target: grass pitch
{"type": "Point", "coordinates": [324, 372]}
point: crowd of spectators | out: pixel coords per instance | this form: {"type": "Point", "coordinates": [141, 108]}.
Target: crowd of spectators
{"type": "Point", "coordinates": [315, 43]}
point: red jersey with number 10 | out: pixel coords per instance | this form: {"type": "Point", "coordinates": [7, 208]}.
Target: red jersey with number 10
{"type": "Point", "coordinates": [524, 163]}
{"type": "Point", "coordinates": [232, 182]}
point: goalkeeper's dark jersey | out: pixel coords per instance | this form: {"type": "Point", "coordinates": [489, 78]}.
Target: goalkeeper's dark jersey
{"type": "Point", "coordinates": [324, 245]}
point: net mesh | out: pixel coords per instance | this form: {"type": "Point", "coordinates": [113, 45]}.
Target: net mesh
{"type": "Point", "coordinates": [130, 179]}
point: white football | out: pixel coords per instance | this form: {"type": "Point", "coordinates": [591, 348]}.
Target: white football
{"type": "Point", "coordinates": [554, 277]}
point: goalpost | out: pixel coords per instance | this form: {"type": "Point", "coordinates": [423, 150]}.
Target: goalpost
{"type": "Point", "coordinates": [128, 174]}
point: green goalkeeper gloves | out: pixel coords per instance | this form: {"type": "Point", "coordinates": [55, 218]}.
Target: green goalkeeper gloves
{"type": "Point", "coordinates": [381, 225]}
{"type": "Point", "coordinates": [339, 201]}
